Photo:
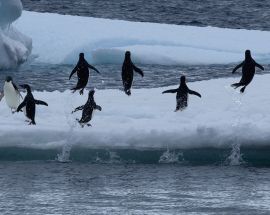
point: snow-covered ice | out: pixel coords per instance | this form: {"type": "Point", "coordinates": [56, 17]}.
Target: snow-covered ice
{"type": "Point", "coordinates": [146, 119]}
{"type": "Point", "coordinates": [58, 39]}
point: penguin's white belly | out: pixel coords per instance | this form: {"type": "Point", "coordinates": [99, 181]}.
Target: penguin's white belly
{"type": "Point", "coordinates": [12, 97]}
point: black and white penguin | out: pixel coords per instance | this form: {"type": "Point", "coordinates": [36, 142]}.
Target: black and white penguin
{"type": "Point", "coordinates": [30, 103]}
{"type": "Point", "coordinates": [12, 94]}
{"type": "Point", "coordinates": [127, 73]}
{"type": "Point", "coordinates": [82, 72]}
{"type": "Point", "coordinates": [248, 71]}
{"type": "Point", "coordinates": [182, 94]}
{"type": "Point", "coordinates": [88, 109]}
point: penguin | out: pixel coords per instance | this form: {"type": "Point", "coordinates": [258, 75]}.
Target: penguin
{"type": "Point", "coordinates": [12, 94]}
{"type": "Point", "coordinates": [127, 73]}
{"type": "Point", "coordinates": [248, 71]}
{"type": "Point", "coordinates": [182, 94]}
{"type": "Point", "coordinates": [30, 103]}
{"type": "Point", "coordinates": [82, 72]}
{"type": "Point", "coordinates": [87, 109]}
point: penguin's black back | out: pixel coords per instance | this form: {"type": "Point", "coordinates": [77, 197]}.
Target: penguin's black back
{"type": "Point", "coordinates": [30, 107]}
{"type": "Point", "coordinates": [127, 74]}
{"type": "Point", "coordinates": [87, 112]}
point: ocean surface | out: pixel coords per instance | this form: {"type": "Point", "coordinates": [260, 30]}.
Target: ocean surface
{"type": "Point", "coordinates": [129, 181]}
{"type": "Point", "coordinates": [248, 14]}
{"type": "Point", "coordinates": [81, 188]}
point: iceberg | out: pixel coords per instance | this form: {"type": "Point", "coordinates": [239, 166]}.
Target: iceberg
{"type": "Point", "coordinates": [15, 47]}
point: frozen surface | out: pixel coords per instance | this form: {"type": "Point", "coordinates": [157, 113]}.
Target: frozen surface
{"type": "Point", "coordinates": [146, 119]}
{"type": "Point", "coordinates": [15, 47]}
{"type": "Point", "coordinates": [59, 38]}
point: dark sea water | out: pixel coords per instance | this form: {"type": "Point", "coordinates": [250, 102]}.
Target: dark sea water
{"type": "Point", "coordinates": [79, 188]}
{"type": "Point", "coordinates": [248, 14]}
{"type": "Point", "coordinates": [128, 181]}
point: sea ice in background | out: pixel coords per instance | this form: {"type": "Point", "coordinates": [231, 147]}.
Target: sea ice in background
{"type": "Point", "coordinates": [105, 41]}
{"type": "Point", "coordinates": [15, 47]}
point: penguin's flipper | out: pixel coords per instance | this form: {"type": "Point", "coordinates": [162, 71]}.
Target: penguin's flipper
{"type": "Point", "coordinates": [39, 102]}
{"type": "Point", "coordinates": [259, 66]}
{"type": "Point", "coordinates": [73, 71]}
{"type": "Point", "coordinates": [78, 108]}
{"type": "Point", "coordinates": [92, 67]}
{"type": "Point", "coordinates": [21, 106]}
{"type": "Point", "coordinates": [194, 93]}
{"type": "Point", "coordinates": [98, 107]}
{"type": "Point", "coordinates": [237, 67]}
{"type": "Point", "coordinates": [138, 70]}
{"type": "Point", "coordinates": [170, 91]}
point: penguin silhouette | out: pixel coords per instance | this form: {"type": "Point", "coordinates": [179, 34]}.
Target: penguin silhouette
{"type": "Point", "coordinates": [182, 94]}
{"type": "Point", "coordinates": [88, 109]}
{"type": "Point", "coordinates": [248, 71]}
{"type": "Point", "coordinates": [127, 73]}
{"type": "Point", "coordinates": [30, 103]}
{"type": "Point", "coordinates": [82, 72]}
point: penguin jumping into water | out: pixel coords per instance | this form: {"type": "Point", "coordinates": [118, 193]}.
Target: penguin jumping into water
{"type": "Point", "coordinates": [182, 94]}
{"type": "Point", "coordinates": [12, 94]}
{"type": "Point", "coordinates": [248, 71]}
{"type": "Point", "coordinates": [88, 109]}
{"type": "Point", "coordinates": [127, 73]}
{"type": "Point", "coordinates": [82, 72]}
{"type": "Point", "coordinates": [30, 103]}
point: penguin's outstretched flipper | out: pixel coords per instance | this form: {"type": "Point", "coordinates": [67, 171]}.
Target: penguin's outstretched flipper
{"type": "Point", "coordinates": [170, 91]}
{"type": "Point", "coordinates": [98, 107]}
{"type": "Point", "coordinates": [39, 102]}
{"type": "Point", "coordinates": [21, 106]}
{"type": "Point", "coordinates": [138, 70]}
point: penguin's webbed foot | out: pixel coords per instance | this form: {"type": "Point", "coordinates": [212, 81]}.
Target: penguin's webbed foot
{"type": "Point", "coordinates": [128, 92]}
{"type": "Point", "coordinates": [81, 92]}
{"type": "Point", "coordinates": [242, 90]}
{"type": "Point", "coordinates": [89, 125]}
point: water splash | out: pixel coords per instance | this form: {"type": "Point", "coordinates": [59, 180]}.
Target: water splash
{"type": "Point", "coordinates": [65, 154]}
{"type": "Point", "coordinates": [235, 157]}
{"type": "Point", "coordinates": [170, 157]}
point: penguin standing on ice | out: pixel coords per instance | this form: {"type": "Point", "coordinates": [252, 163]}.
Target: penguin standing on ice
{"type": "Point", "coordinates": [182, 94]}
{"type": "Point", "coordinates": [88, 109]}
{"type": "Point", "coordinates": [248, 71]}
{"type": "Point", "coordinates": [30, 103]}
{"type": "Point", "coordinates": [82, 72]}
{"type": "Point", "coordinates": [12, 94]}
{"type": "Point", "coordinates": [127, 73]}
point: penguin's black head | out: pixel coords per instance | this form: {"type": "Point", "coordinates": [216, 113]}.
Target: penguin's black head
{"type": "Point", "coordinates": [91, 93]}
{"type": "Point", "coordinates": [183, 79]}
{"type": "Point", "coordinates": [127, 55]}
{"type": "Point", "coordinates": [26, 86]}
{"type": "Point", "coordinates": [8, 79]}
{"type": "Point", "coordinates": [247, 54]}
{"type": "Point", "coordinates": [81, 55]}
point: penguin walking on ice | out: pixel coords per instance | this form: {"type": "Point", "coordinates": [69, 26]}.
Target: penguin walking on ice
{"type": "Point", "coordinates": [182, 94]}
{"type": "Point", "coordinates": [88, 109]}
{"type": "Point", "coordinates": [127, 72]}
{"type": "Point", "coordinates": [248, 71]}
{"type": "Point", "coordinates": [12, 94]}
{"type": "Point", "coordinates": [30, 103]}
{"type": "Point", "coordinates": [82, 72]}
